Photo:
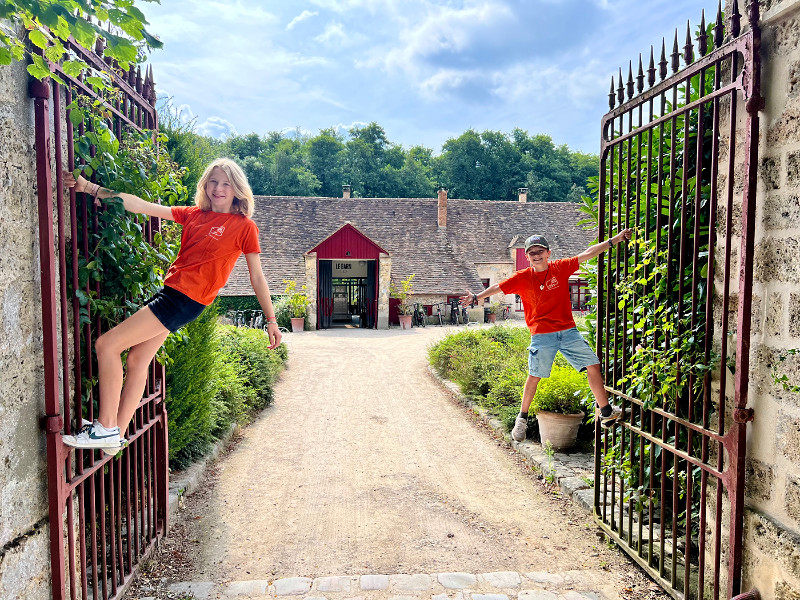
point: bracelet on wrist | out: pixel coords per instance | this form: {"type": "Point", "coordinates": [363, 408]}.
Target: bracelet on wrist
{"type": "Point", "coordinates": [474, 298]}
{"type": "Point", "coordinates": [610, 242]}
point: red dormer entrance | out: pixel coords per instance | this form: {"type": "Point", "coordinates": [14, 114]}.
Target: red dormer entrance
{"type": "Point", "coordinates": [347, 276]}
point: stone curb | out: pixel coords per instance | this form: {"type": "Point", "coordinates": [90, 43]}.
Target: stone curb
{"type": "Point", "coordinates": [565, 467]}
{"type": "Point", "coordinates": [506, 585]}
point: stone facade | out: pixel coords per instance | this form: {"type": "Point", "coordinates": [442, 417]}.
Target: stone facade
{"type": "Point", "coordinates": [772, 524]}
{"type": "Point", "coordinates": [24, 529]}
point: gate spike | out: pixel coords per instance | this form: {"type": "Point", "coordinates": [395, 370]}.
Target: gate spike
{"type": "Point", "coordinates": [736, 20]}
{"type": "Point", "coordinates": [611, 95]}
{"type": "Point", "coordinates": [651, 70]}
{"type": "Point", "coordinates": [640, 77]}
{"type": "Point", "coordinates": [676, 56]}
{"type": "Point", "coordinates": [662, 64]}
{"type": "Point", "coordinates": [621, 88]}
{"type": "Point", "coordinates": [754, 15]}
{"type": "Point", "coordinates": [719, 28]}
{"type": "Point", "coordinates": [629, 84]}
{"type": "Point", "coordinates": [702, 39]}
{"type": "Point", "coordinates": [139, 79]}
{"type": "Point", "coordinates": [688, 48]}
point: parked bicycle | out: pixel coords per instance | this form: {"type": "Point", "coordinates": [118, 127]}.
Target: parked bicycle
{"type": "Point", "coordinates": [454, 304]}
{"type": "Point", "coordinates": [506, 312]}
{"type": "Point", "coordinates": [419, 315]}
{"type": "Point", "coordinates": [439, 317]}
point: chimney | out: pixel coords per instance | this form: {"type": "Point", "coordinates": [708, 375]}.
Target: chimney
{"type": "Point", "coordinates": [523, 194]}
{"type": "Point", "coordinates": [442, 208]}
{"type": "Point", "coordinates": [345, 191]}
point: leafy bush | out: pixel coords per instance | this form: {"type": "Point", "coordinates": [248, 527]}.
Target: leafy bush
{"type": "Point", "coordinates": [562, 392]}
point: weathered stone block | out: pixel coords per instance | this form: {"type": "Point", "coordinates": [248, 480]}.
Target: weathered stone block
{"type": "Point", "coordinates": [773, 324]}
{"type": "Point", "coordinates": [770, 172]}
{"type": "Point", "coordinates": [781, 211]}
{"type": "Point", "coordinates": [758, 479]}
{"type": "Point", "coordinates": [788, 436]}
{"type": "Point", "coordinates": [778, 260]}
{"type": "Point", "coordinates": [785, 591]}
{"type": "Point", "coordinates": [786, 128]}
{"type": "Point", "coordinates": [791, 497]}
{"type": "Point", "coordinates": [794, 315]}
{"type": "Point", "coordinates": [777, 543]}
{"type": "Point", "coordinates": [793, 169]}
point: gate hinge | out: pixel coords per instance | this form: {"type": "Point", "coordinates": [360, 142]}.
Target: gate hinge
{"type": "Point", "coordinates": [743, 415]}
{"type": "Point", "coordinates": [755, 104]}
{"type": "Point", "coordinates": [52, 423]}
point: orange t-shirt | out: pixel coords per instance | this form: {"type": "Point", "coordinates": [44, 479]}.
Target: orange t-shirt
{"type": "Point", "coordinates": [210, 245]}
{"type": "Point", "coordinates": [549, 309]}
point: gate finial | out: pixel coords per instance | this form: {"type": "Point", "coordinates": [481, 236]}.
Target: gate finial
{"type": "Point", "coordinates": [702, 39]}
{"type": "Point", "coordinates": [629, 83]}
{"type": "Point", "coordinates": [611, 95]}
{"type": "Point", "coordinates": [676, 56]}
{"type": "Point", "coordinates": [651, 70]}
{"type": "Point", "coordinates": [621, 88]}
{"type": "Point", "coordinates": [736, 20]}
{"type": "Point", "coordinates": [662, 64]}
{"type": "Point", "coordinates": [719, 28]}
{"type": "Point", "coordinates": [688, 48]}
{"type": "Point", "coordinates": [640, 77]}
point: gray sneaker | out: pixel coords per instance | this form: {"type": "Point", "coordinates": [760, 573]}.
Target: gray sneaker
{"type": "Point", "coordinates": [90, 437]}
{"type": "Point", "coordinates": [520, 431]}
{"type": "Point", "coordinates": [607, 422]}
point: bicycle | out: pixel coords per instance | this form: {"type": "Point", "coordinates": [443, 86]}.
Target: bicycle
{"type": "Point", "coordinates": [454, 311]}
{"type": "Point", "coordinates": [439, 317]}
{"type": "Point", "coordinates": [506, 313]}
{"type": "Point", "coordinates": [418, 319]}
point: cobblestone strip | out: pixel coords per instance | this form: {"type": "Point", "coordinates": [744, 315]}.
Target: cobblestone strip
{"type": "Point", "coordinates": [504, 585]}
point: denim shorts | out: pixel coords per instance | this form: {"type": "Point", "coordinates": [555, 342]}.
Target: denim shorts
{"type": "Point", "coordinates": [174, 309]}
{"type": "Point", "coordinates": [543, 348]}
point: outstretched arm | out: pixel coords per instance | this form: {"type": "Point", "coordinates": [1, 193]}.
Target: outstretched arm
{"type": "Point", "coordinates": [469, 297]}
{"type": "Point", "coordinates": [601, 247]}
{"type": "Point", "coordinates": [261, 288]}
{"type": "Point", "coordinates": [130, 202]}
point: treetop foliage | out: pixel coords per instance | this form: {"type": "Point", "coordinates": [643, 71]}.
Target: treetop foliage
{"type": "Point", "coordinates": [481, 166]}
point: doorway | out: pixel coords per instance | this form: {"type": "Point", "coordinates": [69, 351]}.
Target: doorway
{"type": "Point", "coordinates": [351, 299]}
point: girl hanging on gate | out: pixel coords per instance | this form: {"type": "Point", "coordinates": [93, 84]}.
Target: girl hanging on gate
{"type": "Point", "coordinates": [216, 231]}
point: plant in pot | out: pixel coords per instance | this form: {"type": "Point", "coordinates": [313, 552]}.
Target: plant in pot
{"type": "Point", "coordinates": [405, 309]}
{"type": "Point", "coordinates": [491, 312]}
{"type": "Point", "coordinates": [557, 404]}
{"type": "Point", "coordinates": [298, 303]}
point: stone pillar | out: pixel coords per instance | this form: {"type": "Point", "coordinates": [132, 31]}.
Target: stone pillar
{"type": "Point", "coordinates": [384, 277]}
{"type": "Point", "coordinates": [311, 285]}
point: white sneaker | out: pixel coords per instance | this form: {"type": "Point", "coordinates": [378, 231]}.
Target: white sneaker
{"type": "Point", "coordinates": [607, 422]}
{"type": "Point", "coordinates": [94, 435]}
{"type": "Point", "coordinates": [520, 431]}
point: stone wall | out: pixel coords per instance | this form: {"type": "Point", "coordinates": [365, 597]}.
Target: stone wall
{"type": "Point", "coordinates": [24, 531]}
{"type": "Point", "coordinates": [772, 526]}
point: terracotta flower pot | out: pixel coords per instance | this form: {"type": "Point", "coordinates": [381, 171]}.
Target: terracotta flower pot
{"type": "Point", "coordinates": [405, 321]}
{"type": "Point", "coordinates": [491, 317]}
{"type": "Point", "coordinates": [560, 430]}
{"type": "Point", "coordinates": [298, 323]}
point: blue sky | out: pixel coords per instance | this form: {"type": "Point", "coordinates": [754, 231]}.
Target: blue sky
{"type": "Point", "coordinates": [425, 70]}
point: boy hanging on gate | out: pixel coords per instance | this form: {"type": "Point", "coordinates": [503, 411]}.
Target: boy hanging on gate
{"type": "Point", "coordinates": [544, 290]}
{"type": "Point", "coordinates": [216, 231]}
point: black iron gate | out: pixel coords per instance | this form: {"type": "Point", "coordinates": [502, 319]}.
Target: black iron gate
{"type": "Point", "coordinates": [678, 164]}
{"type": "Point", "coordinates": [105, 513]}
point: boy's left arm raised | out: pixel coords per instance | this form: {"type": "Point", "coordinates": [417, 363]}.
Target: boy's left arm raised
{"type": "Point", "coordinates": [130, 202]}
{"type": "Point", "coordinates": [601, 247]}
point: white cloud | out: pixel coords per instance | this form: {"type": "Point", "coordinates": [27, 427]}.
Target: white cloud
{"type": "Point", "coordinates": [332, 31]}
{"type": "Point", "coordinates": [216, 127]}
{"type": "Point", "coordinates": [303, 16]}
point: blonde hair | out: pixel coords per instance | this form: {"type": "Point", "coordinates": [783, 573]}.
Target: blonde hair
{"type": "Point", "coordinates": [243, 195]}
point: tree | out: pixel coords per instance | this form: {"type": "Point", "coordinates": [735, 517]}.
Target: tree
{"type": "Point", "coordinates": [323, 152]}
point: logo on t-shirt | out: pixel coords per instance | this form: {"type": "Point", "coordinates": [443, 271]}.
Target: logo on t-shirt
{"type": "Point", "coordinates": [552, 283]}
{"type": "Point", "coordinates": [216, 232]}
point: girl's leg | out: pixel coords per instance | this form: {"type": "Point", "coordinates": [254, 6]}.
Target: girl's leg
{"type": "Point", "coordinates": [136, 368]}
{"type": "Point", "coordinates": [596, 384]}
{"type": "Point", "coordinates": [138, 328]}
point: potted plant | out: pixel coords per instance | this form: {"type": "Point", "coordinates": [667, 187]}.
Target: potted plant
{"type": "Point", "coordinates": [491, 312]}
{"type": "Point", "coordinates": [558, 406]}
{"type": "Point", "coordinates": [298, 303]}
{"type": "Point", "coordinates": [405, 309]}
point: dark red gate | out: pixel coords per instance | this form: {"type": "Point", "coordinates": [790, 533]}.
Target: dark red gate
{"type": "Point", "coordinates": [678, 164]}
{"type": "Point", "coordinates": [105, 513]}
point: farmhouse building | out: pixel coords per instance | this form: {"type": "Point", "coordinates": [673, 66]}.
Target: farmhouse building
{"type": "Point", "coordinates": [348, 250]}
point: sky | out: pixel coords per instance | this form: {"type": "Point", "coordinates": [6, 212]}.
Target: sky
{"type": "Point", "coordinates": [424, 70]}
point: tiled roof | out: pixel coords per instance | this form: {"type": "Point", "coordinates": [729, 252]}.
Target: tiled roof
{"type": "Point", "coordinates": [478, 231]}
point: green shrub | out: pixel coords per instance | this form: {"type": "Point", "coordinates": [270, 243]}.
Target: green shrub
{"type": "Point", "coordinates": [562, 392]}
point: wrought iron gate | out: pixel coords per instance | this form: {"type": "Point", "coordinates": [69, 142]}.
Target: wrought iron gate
{"type": "Point", "coordinates": [105, 513]}
{"type": "Point", "coordinates": [678, 164]}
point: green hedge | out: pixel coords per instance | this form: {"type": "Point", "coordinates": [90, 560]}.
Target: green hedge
{"type": "Point", "coordinates": [217, 375]}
